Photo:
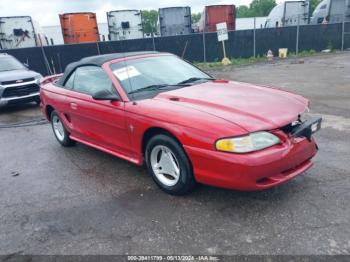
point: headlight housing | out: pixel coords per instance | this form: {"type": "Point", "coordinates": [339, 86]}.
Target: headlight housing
{"type": "Point", "coordinates": [245, 144]}
{"type": "Point", "coordinates": [38, 78]}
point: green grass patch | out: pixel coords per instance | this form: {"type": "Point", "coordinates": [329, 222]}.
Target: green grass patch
{"type": "Point", "coordinates": [251, 60]}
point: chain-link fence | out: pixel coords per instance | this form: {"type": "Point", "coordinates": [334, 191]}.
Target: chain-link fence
{"type": "Point", "coordinates": [197, 47]}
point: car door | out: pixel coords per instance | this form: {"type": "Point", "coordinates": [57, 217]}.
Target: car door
{"type": "Point", "coordinates": [101, 123]}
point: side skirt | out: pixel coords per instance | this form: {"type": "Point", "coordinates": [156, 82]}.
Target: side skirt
{"type": "Point", "coordinates": [114, 153]}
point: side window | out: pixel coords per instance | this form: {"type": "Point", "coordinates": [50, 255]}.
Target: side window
{"type": "Point", "coordinates": [70, 82]}
{"type": "Point", "coordinates": [91, 79]}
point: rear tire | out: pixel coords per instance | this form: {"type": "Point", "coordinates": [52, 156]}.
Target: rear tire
{"type": "Point", "coordinates": [169, 165]}
{"type": "Point", "coordinates": [60, 131]}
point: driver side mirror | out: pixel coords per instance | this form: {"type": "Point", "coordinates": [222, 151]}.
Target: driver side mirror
{"type": "Point", "coordinates": [106, 95]}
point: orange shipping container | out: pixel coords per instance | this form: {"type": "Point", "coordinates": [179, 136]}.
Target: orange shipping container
{"type": "Point", "coordinates": [79, 28]}
{"type": "Point", "coordinates": [215, 14]}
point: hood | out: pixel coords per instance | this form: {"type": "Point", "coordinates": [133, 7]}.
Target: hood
{"type": "Point", "coordinates": [17, 74]}
{"type": "Point", "coordinates": [253, 108]}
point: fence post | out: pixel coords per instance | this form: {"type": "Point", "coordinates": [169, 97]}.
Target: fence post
{"type": "Point", "coordinates": [98, 48]}
{"type": "Point", "coordinates": [254, 37]}
{"type": "Point", "coordinates": [297, 40]}
{"type": "Point", "coordinates": [343, 33]}
{"type": "Point", "coordinates": [59, 62]}
{"type": "Point", "coordinates": [204, 48]}
{"type": "Point", "coordinates": [153, 42]}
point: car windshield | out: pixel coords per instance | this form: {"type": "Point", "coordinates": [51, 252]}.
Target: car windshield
{"type": "Point", "coordinates": [155, 73]}
{"type": "Point", "coordinates": [9, 63]}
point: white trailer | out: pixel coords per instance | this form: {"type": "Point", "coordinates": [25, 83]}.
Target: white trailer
{"type": "Point", "coordinates": [125, 24]}
{"type": "Point", "coordinates": [339, 11]}
{"type": "Point", "coordinates": [19, 32]}
{"type": "Point", "coordinates": [289, 13]}
{"type": "Point", "coordinates": [331, 11]}
{"type": "Point", "coordinates": [248, 23]}
{"type": "Point", "coordinates": [320, 13]}
{"type": "Point", "coordinates": [175, 21]}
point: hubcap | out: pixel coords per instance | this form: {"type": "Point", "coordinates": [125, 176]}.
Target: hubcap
{"type": "Point", "coordinates": [165, 165]}
{"type": "Point", "coordinates": [58, 128]}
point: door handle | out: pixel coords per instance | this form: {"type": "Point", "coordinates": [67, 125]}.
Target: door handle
{"type": "Point", "coordinates": [74, 106]}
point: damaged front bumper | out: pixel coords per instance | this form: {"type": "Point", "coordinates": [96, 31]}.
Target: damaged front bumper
{"type": "Point", "coordinates": [261, 169]}
{"type": "Point", "coordinates": [307, 128]}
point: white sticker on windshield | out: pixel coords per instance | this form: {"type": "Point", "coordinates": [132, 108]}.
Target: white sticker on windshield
{"type": "Point", "coordinates": [126, 72]}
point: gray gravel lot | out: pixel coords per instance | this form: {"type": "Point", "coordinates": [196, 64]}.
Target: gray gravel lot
{"type": "Point", "coordinates": [56, 200]}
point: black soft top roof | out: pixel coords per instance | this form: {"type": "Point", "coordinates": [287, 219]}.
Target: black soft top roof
{"type": "Point", "coordinates": [97, 60]}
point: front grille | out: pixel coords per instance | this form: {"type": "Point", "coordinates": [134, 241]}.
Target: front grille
{"type": "Point", "coordinates": [20, 90]}
{"type": "Point", "coordinates": [15, 81]}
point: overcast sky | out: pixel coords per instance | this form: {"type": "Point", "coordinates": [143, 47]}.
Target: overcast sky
{"type": "Point", "coordinates": [46, 11]}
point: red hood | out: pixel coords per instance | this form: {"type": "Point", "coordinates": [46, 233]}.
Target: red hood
{"type": "Point", "coordinates": [251, 107]}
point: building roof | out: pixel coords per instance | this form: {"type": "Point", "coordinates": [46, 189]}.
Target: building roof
{"type": "Point", "coordinates": [97, 60]}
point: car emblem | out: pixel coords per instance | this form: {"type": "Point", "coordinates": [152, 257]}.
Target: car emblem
{"type": "Point", "coordinates": [19, 81]}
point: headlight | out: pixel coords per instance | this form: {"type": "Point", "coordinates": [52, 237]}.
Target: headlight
{"type": "Point", "coordinates": [38, 78]}
{"type": "Point", "coordinates": [246, 144]}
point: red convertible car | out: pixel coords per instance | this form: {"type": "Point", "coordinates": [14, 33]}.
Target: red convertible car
{"type": "Point", "coordinates": [154, 108]}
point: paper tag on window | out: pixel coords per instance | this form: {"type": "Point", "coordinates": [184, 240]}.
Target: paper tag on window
{"type": "Point", "coordinates": [126, 72]}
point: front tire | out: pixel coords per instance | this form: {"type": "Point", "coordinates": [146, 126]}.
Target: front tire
{"type": "Point", "coordinates": [60, 131]}
{"type": "Point", "coordinates": [169, 165]}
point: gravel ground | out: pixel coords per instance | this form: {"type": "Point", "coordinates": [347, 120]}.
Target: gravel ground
{"type": "Point", "coordinates": [56, 200]}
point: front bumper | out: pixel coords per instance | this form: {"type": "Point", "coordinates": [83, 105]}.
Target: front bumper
{"type": "Point", "coordinates": [20, 93]}
{"type": "Point", "coordinates": [19, 99]}
{"type": "Point", "coordinates": [253, 171]}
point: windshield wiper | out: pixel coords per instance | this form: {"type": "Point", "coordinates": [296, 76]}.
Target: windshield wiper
{"type": "Point", "coordinates": [194, 79]}
{"type": "Point", "coordinates": [150, 88]}
{"type": "Point", "coordinates": [156, 87]}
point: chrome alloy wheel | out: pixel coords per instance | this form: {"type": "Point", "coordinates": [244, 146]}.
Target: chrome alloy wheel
{"type": "Point", "coordinates": [58, 128]}
{"type": "Point", "coordinates": [165, 165]}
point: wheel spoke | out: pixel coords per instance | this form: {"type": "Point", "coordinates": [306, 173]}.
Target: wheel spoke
{"type": "Point", "coordinates": [58, 128]}
{"type": "Point", "coordinates": [156, 168]}
{"type": "Point", "coordinates": [174, 165]}
{"type": "Point", "coordinates": [165, 165]}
